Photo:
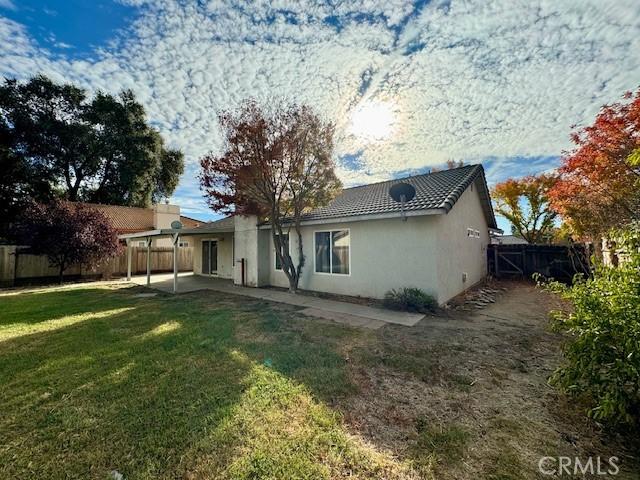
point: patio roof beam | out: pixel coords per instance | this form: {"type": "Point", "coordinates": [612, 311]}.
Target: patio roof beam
{"type": "Point", "coordinates": [169, 232]}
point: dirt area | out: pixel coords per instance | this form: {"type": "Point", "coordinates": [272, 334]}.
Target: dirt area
{"type": "Point", "coordinates": [470, 385]}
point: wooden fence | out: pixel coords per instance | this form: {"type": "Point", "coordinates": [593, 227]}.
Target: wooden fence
{"type": "Point", "coordinates": [552, 261]}
{"type": "Point", "coordinates": [19, 267]}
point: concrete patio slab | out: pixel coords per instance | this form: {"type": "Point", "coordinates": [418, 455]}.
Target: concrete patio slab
{"type": "Point", "coordinates": [342, 312]}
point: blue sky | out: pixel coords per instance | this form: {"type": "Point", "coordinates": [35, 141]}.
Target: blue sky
{"type": "Point", "coordinates": [497, 82]}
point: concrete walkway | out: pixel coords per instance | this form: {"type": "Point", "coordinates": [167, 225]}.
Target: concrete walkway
{"type": "Point", "coordinates": [341, 312]}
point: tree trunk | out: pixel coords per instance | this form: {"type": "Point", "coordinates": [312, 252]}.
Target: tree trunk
{"type": "Point", "coordinates": [301, 259]}
{"type": "Point", "coordinates": [284, 257]}
{"type": "Point", "coordinates": [61, 275]}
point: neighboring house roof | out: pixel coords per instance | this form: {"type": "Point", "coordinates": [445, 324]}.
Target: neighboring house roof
{"type": "Point", "coordinates": [188, 222]}
{"type": "Point", "coordinates": [126, 219]}
{"type": "Point", "coordinates": [222, 225]}
{"type": "Point", "coordinates": [508, 240]}
{"type": "Point", "coordinates": [134, 219]}
{"type": "Point", "coordinates": [434, 191]}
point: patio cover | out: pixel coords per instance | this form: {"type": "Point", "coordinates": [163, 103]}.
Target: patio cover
{"type": "Point", "coordinates": [226, 225]}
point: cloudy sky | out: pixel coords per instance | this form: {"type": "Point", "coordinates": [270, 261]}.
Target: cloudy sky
{"type": "Point", "coordinates": [408, 85]}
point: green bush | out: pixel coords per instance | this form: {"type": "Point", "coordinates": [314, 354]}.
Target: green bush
{"type": "Point", "coordinates": [603, 351]}
{"type": "Point", "coordinates": [410, 299]}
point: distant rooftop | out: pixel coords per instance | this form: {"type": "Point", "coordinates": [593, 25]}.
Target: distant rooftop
{"type": "Point", "coordinates": [134, 219]}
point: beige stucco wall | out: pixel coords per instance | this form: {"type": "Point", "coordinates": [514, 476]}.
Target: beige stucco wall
{"type": "Point", "coordinates": [459, 252]}
{"type": "Point", "coordinates": [429, 252]}
{"type": "Point", "coordinates": [225, 247]}
{"type": "Point", "coordinates": [246, 246]}
{"type": "Point", "coordinates": [385, 254]}
{"type": "Point", "coordinates": [163, 215]}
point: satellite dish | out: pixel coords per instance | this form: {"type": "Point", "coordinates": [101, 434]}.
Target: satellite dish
{"type": "Point", "coordinates": [176, 225]}
{"type": "Point", "coordinates": [403, 193]}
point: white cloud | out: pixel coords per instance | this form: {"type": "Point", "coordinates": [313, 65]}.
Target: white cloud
{"type": "Point", "coordinates": [8, 4]}
{"type": "Point", "coordinates": [468, 80]}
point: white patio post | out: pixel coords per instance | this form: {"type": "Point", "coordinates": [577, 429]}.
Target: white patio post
{"type": "Point", "coordinates": [148, 261]}
{"type": "Point", "coordinates": [128, 259]}
{"type": "Point", "coordinates": [176, 239]}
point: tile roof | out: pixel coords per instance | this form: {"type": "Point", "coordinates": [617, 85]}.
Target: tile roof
{"type": "Point", "coordinates": [135, 219]}
{"type": "Point", "coordinates": [126, 219]}
{"type": "Point", "coordinates": [438, 190]}
{"type": "Point", "coordinates": [188, 222]}
{"type": "Point", "coordinates": [223, 225]}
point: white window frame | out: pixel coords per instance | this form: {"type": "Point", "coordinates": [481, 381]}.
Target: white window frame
{"type": "Point", "coordinates": [330, 272]}
{"type": "Point", "coordinates": [275, 255]}
{"type": "Point", "coordinates": [142, 244]}
{"type": "Point", "coordinates": [182, 243]}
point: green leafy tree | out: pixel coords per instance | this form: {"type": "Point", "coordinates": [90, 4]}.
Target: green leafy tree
{"type": "Point", "coordinates": [603, 351]}
{"type": "Point", "coordinates": [525, 203]}
{"type": "Point", "coordinates": [132, 165]}
{"type": "Point", "coordinates": [56, 142]}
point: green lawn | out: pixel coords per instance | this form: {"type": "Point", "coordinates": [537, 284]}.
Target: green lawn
{"type": "Point", "coordinates": [95, 380]}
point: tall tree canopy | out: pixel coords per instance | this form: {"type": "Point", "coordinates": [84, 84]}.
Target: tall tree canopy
{"type": "Point", "coordinates": [525, 203]}
{"type": "Point", "coordinates": [599, 185]}
{"type": "Point", "coordinates": [57, 142]}
{"type": "Point", "coordinates": [277, 163]}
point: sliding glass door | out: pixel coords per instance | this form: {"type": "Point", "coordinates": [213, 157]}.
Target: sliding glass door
{"type": "Point", "coordinates": [209, 257]}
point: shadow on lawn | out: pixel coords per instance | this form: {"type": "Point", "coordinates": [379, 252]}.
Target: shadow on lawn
{"type": "Point", "coordinates": [157, 390]}
{"type": "Point", "coordinates": [45, 305]}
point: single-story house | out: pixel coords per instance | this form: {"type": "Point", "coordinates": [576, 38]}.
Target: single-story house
{"type": "Point", "coordinates": [363, 243]}
{"type": "Point", "coordinates": [128, 220]}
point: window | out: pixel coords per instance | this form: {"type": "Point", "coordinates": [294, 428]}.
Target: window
{"type": "Point", "coordinates": [332, 252]}
{"type": "Point", "coordinates": [183, 244]}
{"type": "Point", "coordinates": [142, 244]}
{"type": "Point", "coordinates": [287, 246]}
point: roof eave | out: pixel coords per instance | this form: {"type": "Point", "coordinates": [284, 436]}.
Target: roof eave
{"type": "Point", "coordinates": [173, 231]}
{"type": "Point", "coordinates": [365, 217]}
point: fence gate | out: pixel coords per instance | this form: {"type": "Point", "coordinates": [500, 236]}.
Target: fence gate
{"type": "Point", "coordinates": [552, 261]}
{"type": "Point", "coordinates": [508, 262]}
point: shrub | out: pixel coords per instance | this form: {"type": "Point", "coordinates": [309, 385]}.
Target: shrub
{"type": "Point", "coordinates": [68, 234]}
{"type": "Point", "coordinates": [410, 299]}
{"type": "Point", "coordinates": [603, 352]}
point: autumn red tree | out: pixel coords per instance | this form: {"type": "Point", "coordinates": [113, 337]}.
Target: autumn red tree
{"type": "Point", "coordinates": [525, 203]}
{"type": "Point", "coordinates": [277, 164]}
{"type": "Point", "coordinates": [68, 234]}
{"type": "Point", "coordinates": [599, 184]}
